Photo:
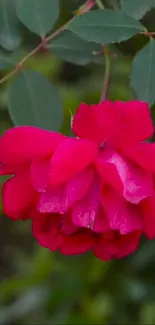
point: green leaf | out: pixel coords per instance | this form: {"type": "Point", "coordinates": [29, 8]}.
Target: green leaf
{"type": "Point", "coordinates": [10, 32]}
{"type": "Point", "coordinates": [143, 73]}
{"type": "Point", "coordinates": [105, 26]}
{"type": "Point", "coordinates": [137, 8]}
{"type": "Point", "coordinates": [6, 60]}
{"type": "Point", "coordinates": [38, 15]}
{"type": "Point", "coordinates": [71, 48]}
{"type": "Point", "coordinates": [34, 101]}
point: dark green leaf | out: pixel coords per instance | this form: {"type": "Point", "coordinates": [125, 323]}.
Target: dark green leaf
{"type": "Point", "coordinates": [71, 48]}
{"type": "Point", "coordinates": [10, 32]}
{"type": "Point", "coordinates": [105, 26]}
{"type": "Point", "coordinates": [34, 101]}
{"type": "Point", "coordinates": [6, 60]}
{"type": "Point", "coordinates": [143, 73]}
{"type": "Point", "coordinates": [38, 15]}
{"type": "Point", "coordinates": [137, 8]}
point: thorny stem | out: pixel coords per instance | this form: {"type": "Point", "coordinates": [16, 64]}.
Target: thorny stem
{"type": "Point", "coordinates": [43, 43]}
{"type": "Point", "coordinates": [107, 75]}
{"type": "Point", "coordinates": [107, 64]}
{"type": "Point", "coordinates": [108, 61]}
{"type": "Point", "coordinates": [148, 33]}
{"type": "Point", "coordinates": [9, 75]}
{"type": "Point", "coordinates": [56, 33]}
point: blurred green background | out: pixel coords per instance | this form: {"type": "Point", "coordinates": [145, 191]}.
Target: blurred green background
{"type": "Point", "coordinates": [41, 287]}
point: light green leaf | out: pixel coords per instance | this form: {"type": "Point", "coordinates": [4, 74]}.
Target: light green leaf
{"type": "Point", "coordinates": [143, 73]}
{"type": "Point", "coordinates": [34, 101]}
{"type": "Point", "coordinates": [105, 26]}
{"type": "Point", "coordinates": [137, 8]}
{"type": "Point", "coordinates": [71, 48]}
{"type": "Point", "coordinates": [10, 32]}
{"type": "Point", "coordinates": [38, 15]}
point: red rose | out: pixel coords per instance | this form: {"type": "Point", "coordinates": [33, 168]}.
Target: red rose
{"type": "Point", "coordinates": [95, 191]}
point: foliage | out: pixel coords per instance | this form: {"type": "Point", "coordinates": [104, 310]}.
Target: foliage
{"type": "Point", "coordinates": [75, 42]}
{"type": "Point", "coordinates": [47, 62]}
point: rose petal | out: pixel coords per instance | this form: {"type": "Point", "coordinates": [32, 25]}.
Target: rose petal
{"type": "Point", "coordinates": [68, 228]}
{"type": "Point", "coordinates": [60, 199]}
{"type": "Point", "coordinates": [85, 211]}
{"type": "Point", "coordinates": [22, 144]}
{"type": "Point", "coordinates": [148, 211]}
{"type": "Point", "coordinates": [118, 122]}
{"type": "Point", "coordinates": [142, 154]}
{"type": "Point", "coordinates": [106, 166]}
{"type": "Point", "coordinates": [40, 170]}
{"type": "Point", "coordinates": [122, 215]}
{"type": "Point", "coordinates": [45, 230]}
{"type": "Point", "coordinates": [105, 247]}
{"type": "Point", "coordinates": [78, 186]}
{"type": "Point", "coordinates": [128, 244]}
{"type": "Point", "coordinates": [48, 234]}
{"type": "Point", "coordinates": [78, 243]}
{"type": "Point", "coordinates": [72, 156]}
{"type": "Point", "coordinates": [53, 201]}
{"type": "Point", "coordinates": [134, 124]}
{"type": "Point", "coordinates": [134, 182]}
{"type": "Point", "coordinates": [115, 245]}
{"type": "Point", "coordinates": [95, 122]}
{"type": "Point", "coordinates": [18, 196]}
{"type": "Point", "coordinates": [5, 171]}
{"type": "Point", "coordinates": [101, 223]}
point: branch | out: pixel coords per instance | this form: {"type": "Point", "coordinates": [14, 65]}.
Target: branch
{"type": "Point", "coordinates": [107, 75]}
{"type": "Point", "coordinates": [43, 44]}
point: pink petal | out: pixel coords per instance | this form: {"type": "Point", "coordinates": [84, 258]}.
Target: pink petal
{"type": "Point", "coordinates": [53, 201]}
{"type": "Point", "coordinates": [85, 211]}
{"type": "Point", "coordinates": [134, 124]}
{"type": "Point", "coordinates": [78, 186]}
{"type": "Point", "coordinates": [34, 214]}
{"type": "Point", "coordinates": [107, 169]}
{"type": "Point", "coordinates": [40, 170]}
{"type": "Point", "coordinates": [95, 122]}
{"type": "Point", "coordinates": [22, 144]}
{"type": "Point", "coordinates": [60, 199]}
{"type": "Point", "coordinates": [142, 154]}
{"type": "Point", "coordinates": [68, 228]}
{"type": "Point", "coordinates": [71, 157]}
{"type": "Point", "coordinates": [128, 244]}
{"type": "Point", "coordinates": [134, 182]}
{"type": "Point", "coordinates": [101, 223]}
{"type": "Point", "coordinates": [118, 122]}
{"type": "Point", "coordinates": [116, 246]}
{"type": "Point", "coordinates": [45, 230]}
{"type": "Point", "coordinates": [5, 171]}
{"type": "Point", "coordinates": [148, 211]}
{"type": "Point", "coordinates": [105, 248]}
{"type": "Point", "coordinates": [18, 196]}
{"type": "Point", "coordinates": [78, 243]}
{"type": "Point", "coordinates": [122, 215]}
